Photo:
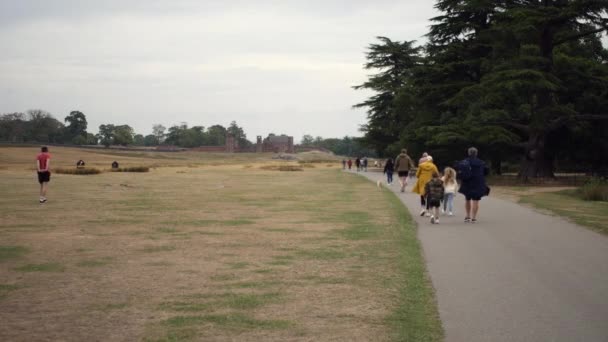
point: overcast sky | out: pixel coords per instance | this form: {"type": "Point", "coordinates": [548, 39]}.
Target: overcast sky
{"type": "Point", "coordinates": [273, 66]}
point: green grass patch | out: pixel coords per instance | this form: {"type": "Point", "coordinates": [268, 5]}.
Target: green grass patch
{"type": "Point", "coordinates": [238, 265]}
{"type": "Point", "coordinates": [156, 249]}
{"type": "Point", "coordinates": [12, 252]}
{"type": "Point", "coordinates": [254, 284]}
{"type": "Point", "coordinates": [95, 263]}
{"type": "Point", "coordinates": [594, 190]}
{"type": "Point", "coordinates": [220, 223]}
{"type": "Point", "coordinates": [415, 316]}
{"type": "Point", "coordinates": [167, 230]}
{"type": "Point", "coordinates": [186, 307]}
{"type": "Point", "coordinates": [48, 267]}
{"type": "Point", "coordinates": [233, 321]}
{"type": "Point", "coordinates": [568, 204]}
{"type": "Point", "coordinates": [323, 254]}
{"type": "Point", "coordinates": [6, 288]}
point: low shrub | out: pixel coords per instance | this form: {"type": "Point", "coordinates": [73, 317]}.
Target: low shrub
{"type": "Point", "coordinates": [132, 169]}
{"type": "Point", "coordinates": [594, 190]}
{"type": "Point", "coordinates": [79, 171]}
{"type": "Point", "coordinates": [282, 168]}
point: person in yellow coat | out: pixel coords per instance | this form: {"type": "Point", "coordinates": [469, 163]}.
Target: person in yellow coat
{"type": "Point", "coordinates": [424, 174]}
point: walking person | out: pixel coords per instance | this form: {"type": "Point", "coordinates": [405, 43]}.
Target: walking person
{"type": "Point", "coordinates": [424, 174]}
{"type": "Point", "coordinates": [364, 164]}
{"type": "Point", "coordinates": [471, 172]}
{"type": "Point", "coordinates": [350, 163]}
{"type": "Point", "coordinates": [423, 158]}
{"type": "Point", "coordinates": [43, 163]}
{"type": "Point", "coordinates": [434, 191]}
{"type": "Point", "coordinates": [450, 187]}
{"type": "Point", "coordinates": [389, 168]}
{"type": "Point", "coordinates": [343, 164]}
{"type": "Point", "coordinates": [358, 164]}
{"type": "Point", "coordinates": [403, 165]}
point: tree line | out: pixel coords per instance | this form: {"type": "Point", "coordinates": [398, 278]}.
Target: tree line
{"type": "Point", "coordinates": [347, 146]}
{"type": "Point", "coordinates": [39, 126]}
{"type": "Point", "coordinates": [526, 81]}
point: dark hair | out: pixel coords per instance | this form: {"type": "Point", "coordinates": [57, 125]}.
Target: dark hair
{"type": "Point", "coordinates": [403, 150]}
{"type": "Point", "coordinates": [44, 149]}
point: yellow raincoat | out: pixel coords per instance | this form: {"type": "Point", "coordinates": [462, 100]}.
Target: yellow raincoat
{"type": "Point", "coordinates": [424, 174]}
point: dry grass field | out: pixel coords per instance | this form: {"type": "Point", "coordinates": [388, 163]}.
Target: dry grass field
{"type": "Point", "coordinates": [206, 247]}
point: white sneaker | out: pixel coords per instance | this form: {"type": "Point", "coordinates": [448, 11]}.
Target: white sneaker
{"type": "Point", "coordinates": [432, 219]}
{"type": "Point", "coordinates": [450, 214]}
{"type": "Point", "coordinates": [422, 212]}
{"type": "Point", "coordinates": [427, 214]}
{"type": "Point", "coordinates": [437, 220]}
{"type": "Point", "coordinates": [442, 211]}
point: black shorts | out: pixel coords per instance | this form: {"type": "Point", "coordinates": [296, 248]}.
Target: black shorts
{"type": "Point", "coordinates": [44, 177]}
{"type": "Point", "coordinates": [403, 173]}
{"type": "Point", "coordinates": [434, 203]}
{"type": "Point", "coordinates": [472, 198]}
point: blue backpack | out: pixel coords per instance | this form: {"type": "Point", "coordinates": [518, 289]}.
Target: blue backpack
{"type": "Point", "coordinates": [463, 170]}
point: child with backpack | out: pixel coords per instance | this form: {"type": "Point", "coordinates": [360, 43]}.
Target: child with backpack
{"type": "Point", "coordinates": [434, 194]}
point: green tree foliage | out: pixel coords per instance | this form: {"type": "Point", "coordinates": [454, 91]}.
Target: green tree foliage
{"type": "Point", "coordinates": [520, 79]}
{"type": "Point", "coordinates": [139, 140]}
{"type": "Point", "coordinates": [347, 146]}
{"type": "Point", "coordinates": [123, 135]}
{"type": "Point", "coordinates": [216, 135]}
{"type": "Point", "coordinates": [76, 130]}
{"type": "Point", "coordinates": [396, 62]}
{"type": "Point", "coordinates": [239, 134]}
{"type": "Point", "coordinates": [151, 140]}
{"type": "Point", "coordinates": [158, 131]}
{"type": "Point", "coordinates": [106, 135]}
{"type": "Point", "coordinates": [35, 126]}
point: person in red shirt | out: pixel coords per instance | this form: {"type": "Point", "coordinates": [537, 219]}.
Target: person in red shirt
{"type": "Point", "coordinates": [43, 162]}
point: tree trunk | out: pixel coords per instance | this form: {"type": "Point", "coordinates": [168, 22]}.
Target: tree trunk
{"type": "Point", "coordinates": [537, 162]}
{"type": "Point", "coordinates": [496, 164]}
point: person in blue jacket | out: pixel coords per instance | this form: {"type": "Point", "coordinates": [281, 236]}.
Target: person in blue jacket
{"type": "Point", "coordinates": [471, 173]}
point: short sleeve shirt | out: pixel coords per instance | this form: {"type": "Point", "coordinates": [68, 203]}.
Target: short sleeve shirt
{"type": "Point", "coordinates": [43, 159]}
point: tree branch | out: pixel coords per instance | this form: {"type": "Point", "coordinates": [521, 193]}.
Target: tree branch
{"type": "Point", "coordinates": [587, 117]}
{"type": "Point", "coordinates": [579, 36]}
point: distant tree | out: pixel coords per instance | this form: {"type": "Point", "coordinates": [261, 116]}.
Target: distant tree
{"type": "Point", "coordinates": [239, 134]}
{"type": "Point", "coordinates": [138, 140]}
{"type": "Point", "coordinates": [150, 140]}
{"type": "Point", "coordinates": [123, 135]}
{"type": "Point", "coordinates": [77, 127]}
{"type": "Point", "coordinates": [158, 131]}
{"type": "Point", "coordinates": [13, 127]}
{"type": "Point", "coordinates": [42, 127]}
{"type": "Point", "coordinates": [91, 139]}
{"type": "Point", "coordinates": [216, 135]}
{"type": "Point", "coordinates": [106, 135]}
{"type": "Point", "coordinates": [307, 140]}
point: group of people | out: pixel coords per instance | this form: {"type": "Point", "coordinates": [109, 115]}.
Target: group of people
{"type": "Point", "coordinates": [438, 190]}
{"type": "Point", "coordinates": [360, 164]}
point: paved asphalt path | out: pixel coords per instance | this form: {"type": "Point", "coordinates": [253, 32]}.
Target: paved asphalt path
{"type": "Point", "coordinates": [515, 275]}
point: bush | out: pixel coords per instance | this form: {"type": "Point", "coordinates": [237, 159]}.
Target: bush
{"type": "Point", "coordinates": [594, 190]}
{"type": "Point", "coordinates": [132, 169]}
{"type": "Point", "coordinates": [80, 171]}
{"type": "Point", "coordinates": [282, 167]}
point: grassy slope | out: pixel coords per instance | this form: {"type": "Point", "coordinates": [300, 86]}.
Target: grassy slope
{"type": "Point", "coordinates": [565, 203]}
